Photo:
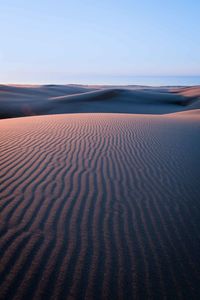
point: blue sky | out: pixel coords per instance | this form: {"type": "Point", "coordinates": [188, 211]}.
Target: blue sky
{"type": "Point", "coordinates": [66, 41]}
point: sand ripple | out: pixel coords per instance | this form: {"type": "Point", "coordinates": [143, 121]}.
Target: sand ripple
{"type": "Point", "coordinates": [100, 206]}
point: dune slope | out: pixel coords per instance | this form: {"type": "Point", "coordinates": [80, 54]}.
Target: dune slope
{"type": "Point", "coordinates": [100, 206]}
{"type": "Point", "coordinates": [16, 101]}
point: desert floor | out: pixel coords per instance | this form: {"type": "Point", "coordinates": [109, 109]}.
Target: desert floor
{"type": "Point", "coordinates": [99, 192]}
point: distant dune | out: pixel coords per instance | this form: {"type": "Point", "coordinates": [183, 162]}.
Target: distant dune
{"type": "Point", "coordinates": [99, 205]}
{"type": "Point", "coordinates": [193, 91]}
{"type": "Point", "coordinates": [16, 101]}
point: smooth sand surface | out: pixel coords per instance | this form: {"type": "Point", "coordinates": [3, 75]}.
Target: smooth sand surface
{"type": "Point", "coordinates": [16, 101]}
{"type": "Point", "coordinates": [101, 205]}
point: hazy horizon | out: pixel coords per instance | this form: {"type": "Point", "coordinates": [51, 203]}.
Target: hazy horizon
{"type": "Point", "coordinates": [98, 43]}
{"type": "Point", "coordinates": [119, 81]}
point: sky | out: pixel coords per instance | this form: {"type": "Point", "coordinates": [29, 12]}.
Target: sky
{"type": "Point", "coordinates": [44, 41]}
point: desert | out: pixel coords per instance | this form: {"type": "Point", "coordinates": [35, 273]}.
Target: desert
{"type": "Point", "coordinates": [99, 191]}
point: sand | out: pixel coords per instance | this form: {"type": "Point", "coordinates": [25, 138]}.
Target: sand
{"type": "Point", "coordinates": [16, 101]}
{"type": "Point", "coordinates": [101, 205]}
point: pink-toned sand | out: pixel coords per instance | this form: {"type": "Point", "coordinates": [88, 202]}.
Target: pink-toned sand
{"type": "Point", "coordinates": [101, 205]}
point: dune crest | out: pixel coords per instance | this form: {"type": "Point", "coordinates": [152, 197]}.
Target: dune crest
{"type": "Point", "coordinates": [16, 101]}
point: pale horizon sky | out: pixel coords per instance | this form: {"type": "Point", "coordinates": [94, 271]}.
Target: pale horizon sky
{"type": "Point", "coordinates": [74, 41]}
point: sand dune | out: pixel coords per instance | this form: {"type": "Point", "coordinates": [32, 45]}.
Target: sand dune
{"type": "Point", "coordinates": [101, 203]}
{"type": "Point", "coordinates": [16, 101]}
{"type": "Point", "coordinates": [193, 91]}
{"type": "Point", "coordinates": [100, 206]}
{"type": "Point", "coordinates": [191, 95]}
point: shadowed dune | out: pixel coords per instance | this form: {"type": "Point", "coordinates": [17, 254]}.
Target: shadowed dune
{"type": "Point", "coordinates": [100, 206]}
{"type": "Point", "coordinates": [191, 94]}
{"type": "Point", "coordinates": [16, 101]}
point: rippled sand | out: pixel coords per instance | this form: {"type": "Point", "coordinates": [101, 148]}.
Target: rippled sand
{"type": "Point", "coordinates": [100, 206]}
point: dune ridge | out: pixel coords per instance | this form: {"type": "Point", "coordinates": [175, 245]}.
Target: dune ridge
{"type": "Point", "coordinates": [16, 101]}
{"type": "Point", "coordinates": [95, 206]}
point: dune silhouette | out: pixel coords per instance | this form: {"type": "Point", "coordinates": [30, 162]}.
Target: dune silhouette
{"type": "Point", "coordinates": [18, 101]}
